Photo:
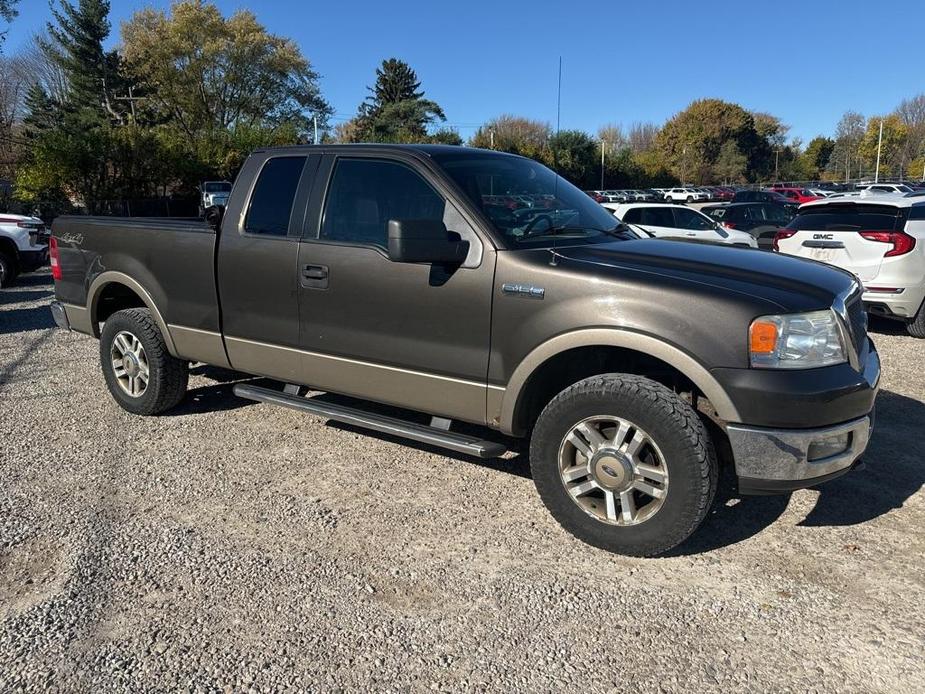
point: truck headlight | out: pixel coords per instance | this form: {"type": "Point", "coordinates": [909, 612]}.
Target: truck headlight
{"type": "Point", "coordinates": [796, 341]}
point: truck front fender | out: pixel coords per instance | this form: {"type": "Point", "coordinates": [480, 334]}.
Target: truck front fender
{"type": "Point", "coordinates": [612, 337]}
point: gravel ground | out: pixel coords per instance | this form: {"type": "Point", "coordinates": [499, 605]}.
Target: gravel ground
{"type": "Point", "coordinates": [236, 546]}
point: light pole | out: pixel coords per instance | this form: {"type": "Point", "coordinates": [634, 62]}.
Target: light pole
{"type": "Point", "coordinates": [879, 143]}
{"type": "Point", "coordinates": [602, 164]}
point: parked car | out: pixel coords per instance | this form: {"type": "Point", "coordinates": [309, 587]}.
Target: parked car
{"type": "Point", "coordinates": [213, 193]}
{"type": "Point", "coordinates": [398, 285]}
{"type": "Point", "coordinates": [879, 237]}
{"type": "Point", "coordinates": [678, 221]}
{"type": "Point", "coordinates": [797, 195]}
{"type": "Point", "coordinates": [684, 195]}
{"type": "Point", "coordinates": [886, 188]}
{"type": "Point", "coordinates": [23, 246]}
{"type": "Point", "coordinates": [723, 194]}
{"type": "Point", "coordinates": [762, 196]}
{"type": "Point", "coordinates": [821, 192]}
{"type": "Point", "coordinates": [760, 219]}
{"type": "Point", "coordinates": [596, 195]}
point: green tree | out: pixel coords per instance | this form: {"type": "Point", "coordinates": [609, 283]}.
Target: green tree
{"type": "Point", "coordinates": [8, 13]}
{"type": "Point", "coordinates": [690, 142]}
{"type": "Point", "coordinates": [575, 156]}
{"type": "Point", "coordinates": [813, 161]}
{"type": "Point", "coordinates": [731, 164]}
{"type": "Point", "coordinates": [78, 34]}
{"type": "Point", "coordinates": [396, 110]}
{"type": "Point", "coordinates": [204, 73]}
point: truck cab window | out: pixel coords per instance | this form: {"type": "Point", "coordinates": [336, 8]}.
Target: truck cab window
{"type": "Point", "coordinates": [365, 194]}
{"type": "Point", "coordinates": [271, 202]}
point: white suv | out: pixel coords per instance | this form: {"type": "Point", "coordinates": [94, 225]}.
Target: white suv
{"type": "Point", "coordinates": [678, 221]}
{"type": "Point", "coordinates": [685, 195]}
{"type": "Point", "coordinates": [23, 246]}
{"type": "Point", "coordinates": [880, 237]}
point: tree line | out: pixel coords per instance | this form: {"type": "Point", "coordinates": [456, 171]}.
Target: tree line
{"type": "Point", "coordinates": [190, 92]}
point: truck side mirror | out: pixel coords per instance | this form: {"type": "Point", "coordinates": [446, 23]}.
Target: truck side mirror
{"type": "Point", "coordinates": [214, 216]}
{"type": "Point", "coordinates": [424, 241]}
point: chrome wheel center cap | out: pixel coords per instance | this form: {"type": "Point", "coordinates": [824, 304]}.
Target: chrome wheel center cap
{"type": "Point", "coordinates": [612, 470]}
{"type": "Point", "coordinates": [130, 364]}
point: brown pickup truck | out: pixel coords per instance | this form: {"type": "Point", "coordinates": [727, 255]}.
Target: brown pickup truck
{"type": "Point", "coordinates": [480, 287]}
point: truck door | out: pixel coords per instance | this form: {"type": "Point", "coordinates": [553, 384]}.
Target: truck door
{"type": "Point", "coordinates": [257, 259]}
{"type": "Point", "coordinates": [410, 334]}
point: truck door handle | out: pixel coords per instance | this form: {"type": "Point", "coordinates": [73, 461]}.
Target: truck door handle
{"type": "Point", "coordinates": [314, 276]}
{"type": "Point", "coordinates": [315, 272]}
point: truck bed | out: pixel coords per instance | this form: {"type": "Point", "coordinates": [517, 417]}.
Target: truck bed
{"type": "Point", "coordinates": [172, 260]}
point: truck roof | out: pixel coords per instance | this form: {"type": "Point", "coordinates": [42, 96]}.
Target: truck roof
{"type": "Point", "coordinates": [425, 149]}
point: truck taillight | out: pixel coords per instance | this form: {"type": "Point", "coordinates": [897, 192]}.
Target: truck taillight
{"type": "Point", "coordinates": [780, 236]}
{"type": "Point", "coordinates": [53, 258]}
{"type": "Point", "coordinates": [901, 241]}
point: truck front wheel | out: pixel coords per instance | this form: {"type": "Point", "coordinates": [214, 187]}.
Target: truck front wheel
{"type": "Point", "coordinates": [141, 374]}
{"type": "Point", "coordinates": [624, 464]}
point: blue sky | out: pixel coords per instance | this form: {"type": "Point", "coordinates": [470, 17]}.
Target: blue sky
{"type": "Point", "coordinates": [622, 62]}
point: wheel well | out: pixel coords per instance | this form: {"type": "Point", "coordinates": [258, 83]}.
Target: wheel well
{"type": "Point", "coordinates": [8, 247]}
{"type": "Point", "coordinates": [562, 370]}
{"type": "Point", "coordinates": [115, 297]}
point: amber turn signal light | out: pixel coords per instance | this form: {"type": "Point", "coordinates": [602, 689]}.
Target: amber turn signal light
{"type": "Point", "coordinates": [762, 337]}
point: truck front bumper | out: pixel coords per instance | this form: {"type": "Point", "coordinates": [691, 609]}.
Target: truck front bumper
{"type": "Point", "coordinates": [771, 461]}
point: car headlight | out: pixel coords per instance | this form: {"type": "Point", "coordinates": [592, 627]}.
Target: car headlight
{"type": "Point", "coordinates": [796, 341]}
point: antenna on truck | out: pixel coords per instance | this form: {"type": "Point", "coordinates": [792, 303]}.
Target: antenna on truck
{"type": "Point", "coordinates": [555, 159]}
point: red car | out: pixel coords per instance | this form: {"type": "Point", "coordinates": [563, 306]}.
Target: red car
{"type": "Point", "coordinates": [797, 195]}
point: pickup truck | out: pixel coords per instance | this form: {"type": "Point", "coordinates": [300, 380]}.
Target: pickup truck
{"type": "Point", "coordinates": [390, 274]}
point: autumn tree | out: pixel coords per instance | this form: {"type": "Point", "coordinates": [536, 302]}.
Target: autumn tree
{"type": "Point", "coordinates": [848, 133]}
{"type": "Point", "coordinates": [892, 147]}
{"type": "Point", "coordinates": [814, 159]}
{"type": "Point", "coordinates": [690, 142]}
{"type": "Point", "coordinates": [515, 134]}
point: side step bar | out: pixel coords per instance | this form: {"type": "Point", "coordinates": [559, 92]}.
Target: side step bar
{"type": "Point", "coordinates": [441, 438]}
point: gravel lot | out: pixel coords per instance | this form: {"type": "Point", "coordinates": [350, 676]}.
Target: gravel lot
{"type": "Point", "coordinates": [235, 546]}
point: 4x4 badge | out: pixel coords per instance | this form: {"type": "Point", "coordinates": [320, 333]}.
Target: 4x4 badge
{"type": "Point", "coordinates": [526, 290]}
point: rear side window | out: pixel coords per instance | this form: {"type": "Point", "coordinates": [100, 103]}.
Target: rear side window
{"type": "Point", "coordinates": [653, 216]}
{"type": "Point", "coordinates": [917, 212]}
{"type": "Point", "coordinates": [846, 218]}
{"type": "Point", "coordinates": [271, 202]}
{"type": "Point", "coordinates": [688, 219]}
{"type": "Point", "coordinates": [365, 194]}
{"type": "Point", "coordinates": [777, 214]}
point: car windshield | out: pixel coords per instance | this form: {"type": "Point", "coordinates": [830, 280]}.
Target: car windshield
{"type": "Point", "coordinates": [217, 187]}
{"type": "Point", "coordinates": [528, 205]}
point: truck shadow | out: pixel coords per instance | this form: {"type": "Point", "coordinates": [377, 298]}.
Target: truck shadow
{"type": "Point", "coordinates": [894, 471]}
{"type": "Point", "coordinates": [215, 398]}
{"type": "Point", "coordinates": [884, 326]}
{"type": "Point", "coordinates": [516, 465]}
{"type": "Point", "coordinates": [15, 296]}
{"type": "Point", "coordinates": [20, 320]}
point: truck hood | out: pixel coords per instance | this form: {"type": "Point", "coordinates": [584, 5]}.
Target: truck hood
{"type": "Point", "coordinates": [792, 284]}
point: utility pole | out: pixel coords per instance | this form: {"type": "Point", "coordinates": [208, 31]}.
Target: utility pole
{"type": "Point", "coordinates": [131, 99]}
{"type": "Point", "coordinates": [491, 136]}
{"type": "Point", "coordinates": [879, 143]}
{"type": "Point", "coordinates": [602, 165]}
{"type": "Point", "coordinates": [315, 140]}
{"type": "Point", "coordinates": [776, 162]}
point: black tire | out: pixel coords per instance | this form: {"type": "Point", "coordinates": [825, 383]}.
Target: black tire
{"type": "Point", "coordinates": [916, 327]}
{"type": "Point", "coordinates": [675, 428]}
{"type": "Point", "coordinates": [8, 270]}
{"type": "Point", "coordinates": [689, 200]}
{"type": "Point", "coordinates": [167, 376]}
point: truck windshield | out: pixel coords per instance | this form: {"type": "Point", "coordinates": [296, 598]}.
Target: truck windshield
{"type": "Point", "coordinates": [526, 203]}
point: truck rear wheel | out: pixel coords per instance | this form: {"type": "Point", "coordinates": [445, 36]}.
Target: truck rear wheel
{"type": "Point", "coordinates": [141, 374]}
{"type": "Point", "coordinates": [624, 464]}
